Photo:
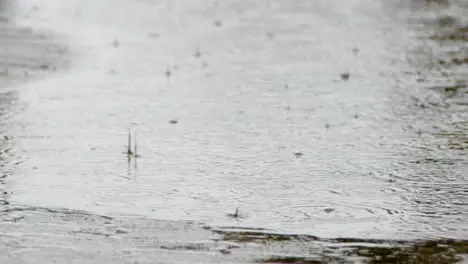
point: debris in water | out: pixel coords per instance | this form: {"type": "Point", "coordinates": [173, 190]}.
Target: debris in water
{"type": "Point", "coordinates": [236, 214]}
{"type": "Point", "coordinates": [420, 79]}
{"type": "Point", "coordinates": [217, 23]}
{"type": "Point", "coordinates": [121, 231]}
{"type": "Point", "coordinates": [328, 210]}
{"type": "Point", "coordinates": [298, 154]}
{"type": "Point", "coordinates": [129, 145]}
{"type": "Point", "coordinates": [168, 73]}
{"type": "Point", "coordinates": [197, 54]}
{"type": "Point", "coordinates": [129, 152]}
{"type": "Point", "coordinates": [225, 251]}
{"type": "Point", "coordinates": [173, 121]}
{"type": "Point", "coordinates": [135, 153]}
{"type": "Point", "coordinates": [154, 35]}
{"type": "Point", "coordinates": [345, 76]}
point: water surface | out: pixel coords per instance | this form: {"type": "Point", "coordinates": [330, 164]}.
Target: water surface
{"type": "Point", "coordinates": [222, 97]}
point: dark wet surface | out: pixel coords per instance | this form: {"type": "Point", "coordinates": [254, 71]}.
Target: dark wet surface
{"type": "Point", "coordinates": [336, 129]}
{"type": "Point", "coordinates": [68, 236]}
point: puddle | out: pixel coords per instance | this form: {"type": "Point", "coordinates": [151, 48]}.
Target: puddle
{"type": "Point", "coordinates": [335, 132]}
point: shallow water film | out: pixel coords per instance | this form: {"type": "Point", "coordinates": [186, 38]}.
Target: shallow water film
{"type": "Point", "coordinates": [233, 131]}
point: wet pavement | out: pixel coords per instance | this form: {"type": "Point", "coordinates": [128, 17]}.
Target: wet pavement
{"type": "Point", "coordinates": [335, 128]}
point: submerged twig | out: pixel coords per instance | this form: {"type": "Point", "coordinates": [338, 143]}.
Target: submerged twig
{"type": "Point", "coordinates": [129, 146]}
{"type": "Point", "coordinates": [135, 153]}
{"type": "Point", "coordinates": [129, 152]}
{"type": "Point", "coordinates": [235, 214]}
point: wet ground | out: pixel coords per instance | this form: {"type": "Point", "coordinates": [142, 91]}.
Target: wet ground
{"type": "Point", "coordinates": [337, 129]}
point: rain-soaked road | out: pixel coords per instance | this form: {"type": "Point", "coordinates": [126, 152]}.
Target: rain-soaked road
{"type": "Point", "coordinates": [327, 119]}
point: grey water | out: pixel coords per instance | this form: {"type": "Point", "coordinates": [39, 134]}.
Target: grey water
{"type": "Point", "coordinates": [308, 116]}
